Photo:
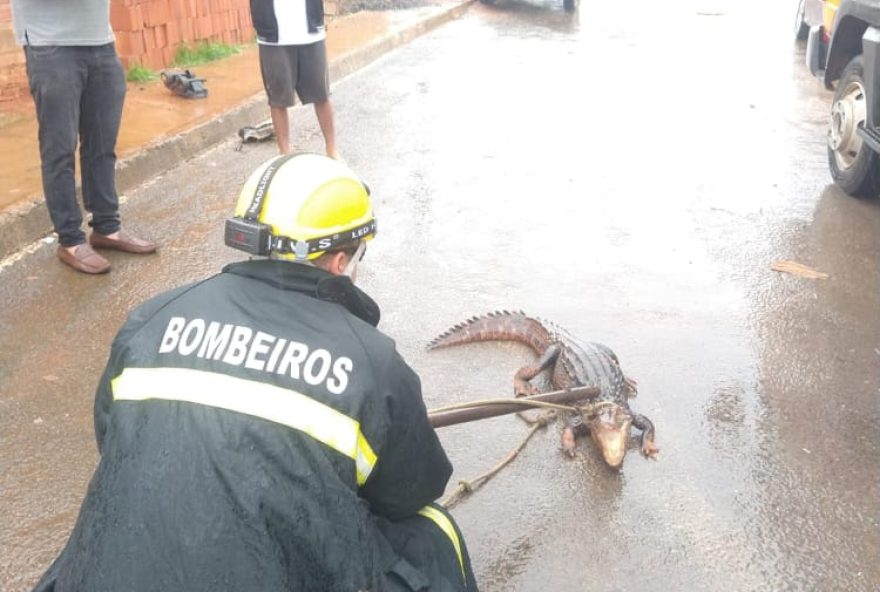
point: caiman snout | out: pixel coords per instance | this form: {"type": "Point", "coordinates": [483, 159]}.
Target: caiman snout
{"type": "Point", "coordinates": [609, 429]}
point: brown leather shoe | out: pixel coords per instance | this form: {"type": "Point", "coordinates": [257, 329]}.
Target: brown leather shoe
{"type": "Point", "coordinates": [84, 259]}
{"type": "Point", "coordinates": [125, 242]}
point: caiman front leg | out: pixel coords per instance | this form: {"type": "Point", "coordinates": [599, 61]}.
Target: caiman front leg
{"type": "Point", "coordinates": [647, 427]}
{"type": "Point", "coordinates": [575, 427]}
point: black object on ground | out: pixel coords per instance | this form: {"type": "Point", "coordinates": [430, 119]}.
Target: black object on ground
{"type": "Point", "coordinates": [184, 83]}
{"type": "Point", "coordinates": [256, 133]}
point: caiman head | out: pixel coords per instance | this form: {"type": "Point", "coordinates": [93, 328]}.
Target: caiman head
{"type": "Point", "coordinates": [609, 429]}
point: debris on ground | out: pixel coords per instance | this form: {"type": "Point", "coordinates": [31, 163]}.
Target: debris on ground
{"type": "Point", "coordinates": [799, 270]}
{"type": "Point", "coordinates": [184, 83]}
{"type": "Point", "coordinates": [256, 133]}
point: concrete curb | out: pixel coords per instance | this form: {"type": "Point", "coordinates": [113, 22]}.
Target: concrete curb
{"type": "Point", "coordinates": [23, 223]}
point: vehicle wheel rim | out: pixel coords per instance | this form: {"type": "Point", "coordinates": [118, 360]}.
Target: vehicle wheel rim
{"type": "Point", "coordinates": [846, 115]}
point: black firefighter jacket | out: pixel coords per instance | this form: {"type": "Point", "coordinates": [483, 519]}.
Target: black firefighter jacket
{"type": "Point", "coordinates": [248, 426]}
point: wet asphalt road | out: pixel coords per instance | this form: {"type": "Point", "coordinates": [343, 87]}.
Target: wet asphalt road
{"type": "Point", "coordinates": [630, 172]}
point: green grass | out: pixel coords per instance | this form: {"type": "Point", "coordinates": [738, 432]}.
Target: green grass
{"type": "Point", "coordinates": [192, 55]}
{"type": "Point", "coordinates": [138, 73]}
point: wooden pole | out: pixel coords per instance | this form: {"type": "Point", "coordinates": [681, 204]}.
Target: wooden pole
{"type": "Point", "coordinates": [478, 410]}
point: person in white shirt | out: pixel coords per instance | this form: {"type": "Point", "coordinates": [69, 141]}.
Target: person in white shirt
{"type": "Point", "coordinates": [293, 59]}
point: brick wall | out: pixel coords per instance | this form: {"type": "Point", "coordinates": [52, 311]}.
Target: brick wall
{"type": "Point", "coordinates": [13, 81]}
{"type": "Point", "coordinates": [148, 32]}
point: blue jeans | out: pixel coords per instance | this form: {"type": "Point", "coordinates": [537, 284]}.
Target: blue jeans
{"type": "Point", "coordinates": [78, 92]}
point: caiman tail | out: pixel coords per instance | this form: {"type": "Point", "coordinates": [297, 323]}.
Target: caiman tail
{"type": "Point", "coordinates": [501, 325]}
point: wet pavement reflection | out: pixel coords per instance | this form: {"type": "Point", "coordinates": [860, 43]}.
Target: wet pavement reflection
{"type": "Point", "coordinates": [629, 172]}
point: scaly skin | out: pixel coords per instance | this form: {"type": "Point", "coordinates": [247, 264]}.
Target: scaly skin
{"type": "Point", "coordinates": [572, 363]}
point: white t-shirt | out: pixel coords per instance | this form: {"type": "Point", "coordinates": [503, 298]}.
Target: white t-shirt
{"type": "Point", "coordinates": [293, 26]}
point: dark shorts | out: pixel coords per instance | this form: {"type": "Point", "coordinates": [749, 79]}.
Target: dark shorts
{"type": "Point", "coordinates": [300, 68]}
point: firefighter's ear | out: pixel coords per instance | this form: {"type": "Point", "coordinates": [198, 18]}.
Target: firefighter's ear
{"type": "Point", "coordinates": [336, 262]}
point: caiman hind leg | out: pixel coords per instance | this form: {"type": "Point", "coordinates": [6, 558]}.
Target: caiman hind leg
{"type": "Point", "coordinates": [521, 385]}
{"type": "Point", "coordinates": [647, 427]}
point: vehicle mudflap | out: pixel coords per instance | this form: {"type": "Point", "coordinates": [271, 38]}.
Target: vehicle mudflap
{"type": "Point", "coordinates": [816, 52]}
{"type": "Point", "coordinates": [871, 76]}
{"type": "Point", "coordinates": [871, 137]}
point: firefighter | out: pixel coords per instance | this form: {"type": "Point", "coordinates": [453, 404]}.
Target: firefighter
{"type": "Point", "coordinates": [257, 432]}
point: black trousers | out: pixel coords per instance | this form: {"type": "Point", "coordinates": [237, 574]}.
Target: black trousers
{"type": "Point", "coordinates": [432, 553]}
{"type": "Point", "coordinates": [78, 92]}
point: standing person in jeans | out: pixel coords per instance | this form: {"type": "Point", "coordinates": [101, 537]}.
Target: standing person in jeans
{"type": "Point", "coordinates": [293, 57]}
{"type": "Point", "coordinates": [78, 86]}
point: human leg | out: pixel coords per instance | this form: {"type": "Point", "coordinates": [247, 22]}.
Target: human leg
{"type": "Point", "coordinates": [313, 86]}
{"type": "Point", "coordinates": [279, 72]}
{"type": "Point", "coordinates": [281, 126]}
{"type": "Point", "coordinates": [56, 77]}
{"type": "Point", "coordinates": [100, 115]}
{"type": "Point", "coordinates": [324, 113]}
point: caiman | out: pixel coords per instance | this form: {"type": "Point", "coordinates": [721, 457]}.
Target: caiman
{"type": "Point", "coordinates": [573, 363]}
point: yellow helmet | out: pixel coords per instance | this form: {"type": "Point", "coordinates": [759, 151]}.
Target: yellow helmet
{"type": "Point", "coordinates": [300, 206]}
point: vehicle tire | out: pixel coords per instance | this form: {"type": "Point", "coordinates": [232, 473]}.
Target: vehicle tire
{"type": "Point", "coordinates": [569, 5]}
{"type": "Point", "coordinates": [854, 166]}
{"type": "Point", "coordinates": [801, 28]}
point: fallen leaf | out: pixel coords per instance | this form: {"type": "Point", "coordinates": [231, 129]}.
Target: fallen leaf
{"type": "Point", "coordinates": [798, 269]}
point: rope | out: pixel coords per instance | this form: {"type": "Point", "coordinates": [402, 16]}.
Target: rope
{"type": "Point", "coordinates": [468, 487]}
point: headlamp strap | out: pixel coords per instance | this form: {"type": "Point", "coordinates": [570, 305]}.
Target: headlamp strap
{"type": "Point", "coordinates": [302, 249]}
{"type": "Point", "coordinates": [253, 211]}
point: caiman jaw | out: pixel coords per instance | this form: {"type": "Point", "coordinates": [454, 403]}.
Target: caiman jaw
{"type": "Point", "coordinates": [610, 431]}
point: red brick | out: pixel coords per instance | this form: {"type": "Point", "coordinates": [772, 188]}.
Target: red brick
{"type": "Point", "coordinates": [138, 44]}
{"type": "Point", "coordinates": [154, 59]}
{"type": "Point", "coordinates": [7, 41]}
{"type": "Point", "coordinates": [188, 30]}
{"type": "Point", "coordinates": [161, 37]}
{"type": "Point", "coordinates": [217, 23]}
{"type": "Point", "coordinates": [172, 33]}
{"type": "Point", "coordinates": [149, 39]}
{"type": "Point", "coordinates": [244, 20]}
{"type": "Point", "coordinates": [11, 58]}
{"type": "Point", "coordinates": [157, 13]}
{"type": "Point", "coordinates": [123, 43]}
{"type": "Point", "coordinates": [204, 27]}
{"type": "Point", "coordinates": [178, 9]}
{"type": "Point", "coordinates": [126, 18]}
{"type": "Point", "coordinates": [130, 43]}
